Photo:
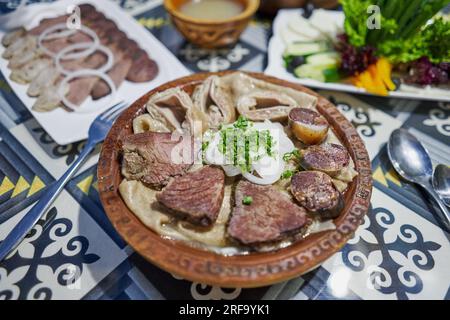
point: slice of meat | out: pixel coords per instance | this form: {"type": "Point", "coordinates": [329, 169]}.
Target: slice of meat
{"type": "Point", "coordinates": [143, 69]}
{"type": "Point", "coordinates": [13, 36]}
{"type": "Point", "coordinates": [30, 70]}
{"type": "Point", "coordinates": [48, 99]}
{"type": "Point", "coordinates": [270, 216]}
{"type": "Point", "coordinates": [47, 23]}
{"type": "Point", "coordinates": [80, 88]}
{"type": "Point", "coordinates": [117, 74]}
{"type": "Point", "coordinates": [22, 44]}
{"type": "Point", "coordinates": [196, 196]}
{"type": "Point", "coordinates": [328, 157]}
{"type": "Point", "coordinates": [315, 191]}
{"type": "Point", "coordinates": [87, 9]}
{"type": "Point", "coordinates": [308, 126]}
{"type": "Point", "coordinates": [46, 78]}
{"type": "Point", "coordinates": [154, 157]}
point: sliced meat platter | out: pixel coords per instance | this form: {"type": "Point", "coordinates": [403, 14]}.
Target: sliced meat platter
{"type": "Point", "coordinates": [64, 66]}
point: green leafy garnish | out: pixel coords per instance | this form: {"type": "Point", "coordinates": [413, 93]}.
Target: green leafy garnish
{"type": "Point", "coordinates": [287, 174]}
{"type": "Point", "coordinates": [432, 42]}
{"type": "Point", "coordinates": [240, 143]}
{"type": "Point", "coordinates": [406, 30]}
{"type": "Point", "coordinates": [290, 155]}
{"type": "Point", "coordinates": [247, 200]}
{"type": "Point", "coordinates": [241, 123]}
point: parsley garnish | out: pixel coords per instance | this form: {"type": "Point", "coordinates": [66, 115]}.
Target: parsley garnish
{"type": "Point", "coordinates": [247, 200]}
{"type": "Point", "coordinates": [287, 174]}
{"type": "Point", "coordinates": [241, 123]}
{"type": "Point", "coordinates": [289, 155]}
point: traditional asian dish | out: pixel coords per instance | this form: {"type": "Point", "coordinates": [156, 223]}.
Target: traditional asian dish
{"type": "Point", "coordinates": [234, 165]}
{"type": "Point", "coordinates": [64, 65]}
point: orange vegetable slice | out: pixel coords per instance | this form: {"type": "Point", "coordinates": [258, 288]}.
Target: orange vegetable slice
{"type": "Point", "coordinates": [385, 70]}
{"type": "Point", "coordinates": [380, 88]}
{"type": "Point", "coordinates": [367, 82]}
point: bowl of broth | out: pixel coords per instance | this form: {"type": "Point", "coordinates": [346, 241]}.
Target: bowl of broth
{"type": "Point", "coordinates": [211, 23]}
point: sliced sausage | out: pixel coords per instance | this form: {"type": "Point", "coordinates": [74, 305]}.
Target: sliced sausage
{"type": "Point", "coordinates": [143, 68]}
{"type": "Point", "coordinates": [328, 157]}
{"type": "Point", "coordinates": [315, 191]}
{"type": "Point", "coordinates": [308, 126]}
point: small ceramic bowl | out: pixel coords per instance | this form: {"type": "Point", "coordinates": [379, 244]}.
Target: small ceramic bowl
{"type": "Point", "coordinates": [211, 33]}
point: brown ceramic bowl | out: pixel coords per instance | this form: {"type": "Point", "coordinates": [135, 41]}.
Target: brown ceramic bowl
{"type": "Point", "coordinates": [211, 33]}
{"type": "Point", "coordinates": [252, 270]}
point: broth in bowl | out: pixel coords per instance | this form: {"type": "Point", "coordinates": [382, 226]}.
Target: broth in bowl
{"type": "Point", "coordinates": [212, 9]}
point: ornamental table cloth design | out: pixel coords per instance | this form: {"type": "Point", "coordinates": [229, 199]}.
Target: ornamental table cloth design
{"type": "Point", "coordinates": [399, 252]}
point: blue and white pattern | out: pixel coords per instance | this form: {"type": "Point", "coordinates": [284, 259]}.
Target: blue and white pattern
{"type": "Point", "coordinates": [400, 252]}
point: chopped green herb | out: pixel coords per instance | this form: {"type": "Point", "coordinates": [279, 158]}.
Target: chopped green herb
{"type": "Point", "coordinates": [241, 123]}
{"type": "Point", "coordinates": [240, 143]}
{"type": "Point", "coordinates": [268, 141]}
{"type": "Point", "coordinates": [247, 200]}
{"type": "Point", "coordinates": [247, 154]}
{"type": "Point", "coordinates": [289, 155]}
{"type": "Point", "coordinates": [287, 174]}
{"type": "Point", "coordinates": [223, 134]}
{"type": "Point", "coordinates": [205, 145]}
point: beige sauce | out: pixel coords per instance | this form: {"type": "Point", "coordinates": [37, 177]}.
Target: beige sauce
{"type": "Point", "coordinates": [212, 9]}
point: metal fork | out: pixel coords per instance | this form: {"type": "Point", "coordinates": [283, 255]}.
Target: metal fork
{"type": "Point", "coordinates": [97, 133]}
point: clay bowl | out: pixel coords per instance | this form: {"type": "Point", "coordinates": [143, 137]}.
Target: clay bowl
{"type": "Point", "coordinates": [253, 270]}
{"type": "Point", "coordinates": [211, 33]}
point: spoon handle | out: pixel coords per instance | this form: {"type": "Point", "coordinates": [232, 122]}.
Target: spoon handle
{"type": "Point", "coordinates": [441, 205]}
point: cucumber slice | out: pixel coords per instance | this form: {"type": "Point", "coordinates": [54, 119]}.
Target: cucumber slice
{"type": "Point", "coordinates": [323, 73]}
{"type": "Point", "coordinates": [305, 48]}
{"type": "Point", "coordinates": [331, 74]}
{"type": "Point", "coordinates": [325, 58]}
{"type": "Point", "coordinates": [309, 71]}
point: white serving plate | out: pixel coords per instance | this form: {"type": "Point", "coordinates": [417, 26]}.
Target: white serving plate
{"type": "Point", "coordinates": [67, 127]}
{"type": "Point", "coordinates": [275, 65]}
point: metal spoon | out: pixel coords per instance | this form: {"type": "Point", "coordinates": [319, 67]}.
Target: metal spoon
{"type": "Point", "coordinates": [441, 182]}
{"type": "Point", "coordinates": [411, 160]}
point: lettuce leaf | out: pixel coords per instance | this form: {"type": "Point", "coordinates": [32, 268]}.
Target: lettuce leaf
{"type": "Point", "coordinates": [405, 33]}
{"type": "Point", "coordinates": [432, 42]}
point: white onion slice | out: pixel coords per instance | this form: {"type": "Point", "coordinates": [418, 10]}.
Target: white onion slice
{"type": "Point", "coordinates": [49, 34]}
{"type": "Point", "coordinates": [262, 181]}
{"type": "Point", "coordinates": [231, 171]}
{"type": "Point", "coordinates": [80, 74]}
{"type": "Point", "coordinates": [64, 55]}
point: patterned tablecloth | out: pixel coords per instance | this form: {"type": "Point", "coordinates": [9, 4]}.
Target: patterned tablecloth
{"type": "Point", "coordinates": [400, 251]}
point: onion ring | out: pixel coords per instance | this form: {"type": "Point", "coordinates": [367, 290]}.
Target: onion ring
{"type": "Point", "coordinates": [80, 74]}
{"type": "Point", "coordinates": [62, 55]}
{"type": "Point", "coordinates": [47, 35]}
